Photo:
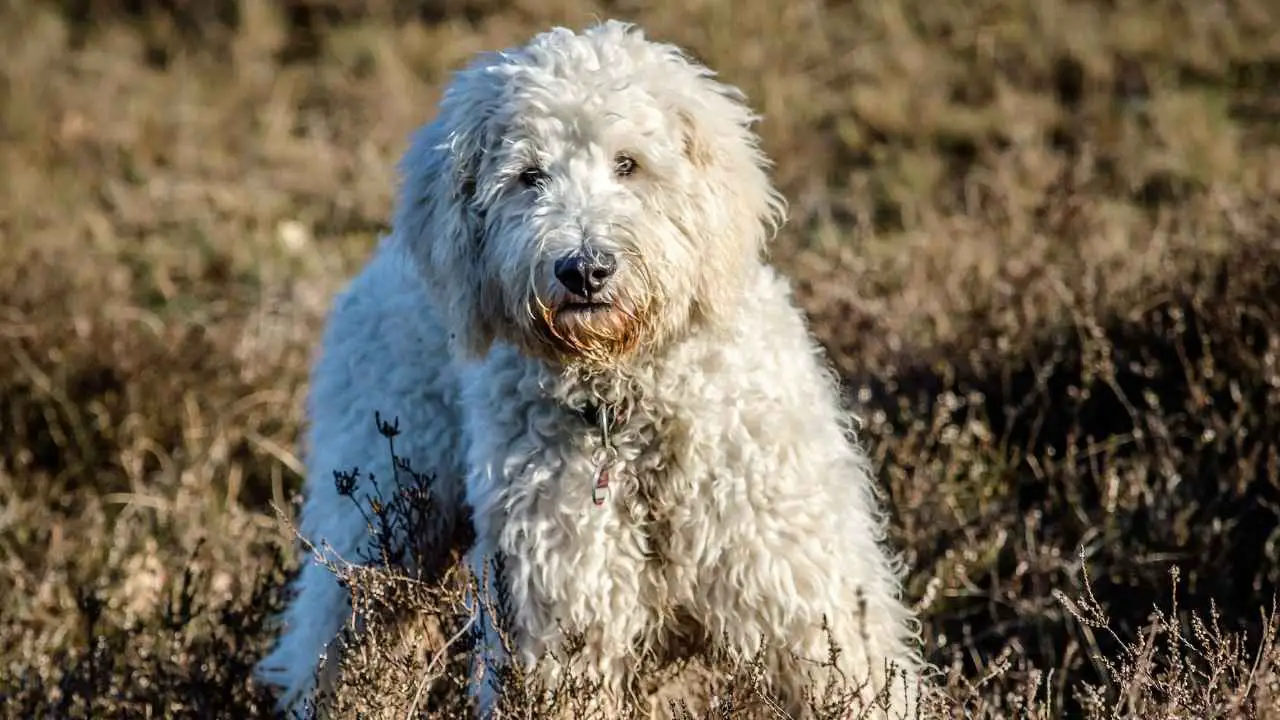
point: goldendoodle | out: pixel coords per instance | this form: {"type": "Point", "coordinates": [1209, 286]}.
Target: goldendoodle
{"type": "Point", "coordinates": [573, 321]}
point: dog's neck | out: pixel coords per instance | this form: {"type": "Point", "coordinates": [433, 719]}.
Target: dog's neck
{"type": "Point", "coordinates": [621, 390]}
{"type": "Point", "coordinates": [595, 395]}
{"type": "Point", "coordinates": [614, 393]}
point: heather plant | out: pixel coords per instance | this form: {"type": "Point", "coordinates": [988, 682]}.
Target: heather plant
{"type": "Point", "coordinates": [1037, 238]}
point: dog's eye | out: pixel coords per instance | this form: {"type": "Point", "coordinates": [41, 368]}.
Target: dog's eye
{"type": "Point", "coordinates": [623, 165]}
{"type": "Point", "coordinates": [532, 176]}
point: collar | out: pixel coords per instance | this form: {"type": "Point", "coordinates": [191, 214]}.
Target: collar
{"type": "Point", "coordinates": [606, 415]}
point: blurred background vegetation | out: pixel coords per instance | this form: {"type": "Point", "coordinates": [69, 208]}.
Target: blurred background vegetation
{"type": "Point", "coordinates": [1040, 238]}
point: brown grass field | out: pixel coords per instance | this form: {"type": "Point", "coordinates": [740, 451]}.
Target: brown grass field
{"type": "Point", "coordinates": [1040, 238]}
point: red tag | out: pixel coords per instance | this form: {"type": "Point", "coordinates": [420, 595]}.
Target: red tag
{"type": "Point", "coordinates": [600, 489]}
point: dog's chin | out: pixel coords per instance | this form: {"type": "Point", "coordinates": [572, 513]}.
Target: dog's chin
{"type": "Point", "coordinates": [597, 334]}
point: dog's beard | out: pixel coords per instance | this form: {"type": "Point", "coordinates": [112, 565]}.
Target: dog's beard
{"type": "Point", "coordinates": [602, 334]}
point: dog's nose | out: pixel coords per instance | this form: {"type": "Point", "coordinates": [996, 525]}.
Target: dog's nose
{"type": "Point", "coordinates": [586, 274]}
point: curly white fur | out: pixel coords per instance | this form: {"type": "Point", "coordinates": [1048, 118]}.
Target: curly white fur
{"type": "Point", "coordinates": [740, 507]}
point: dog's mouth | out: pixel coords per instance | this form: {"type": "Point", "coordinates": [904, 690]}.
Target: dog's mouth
{"type": "Point", "coordinates": [592, 330]}
{"type": "Point", "coordinates": [585, 307]}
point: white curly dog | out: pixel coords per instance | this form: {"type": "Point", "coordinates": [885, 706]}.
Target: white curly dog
{"type": "Point", "coordinates": [573, 322]}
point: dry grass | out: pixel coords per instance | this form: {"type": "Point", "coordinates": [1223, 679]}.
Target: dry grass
{"type": "Point", "coordinates": [1040, 237]}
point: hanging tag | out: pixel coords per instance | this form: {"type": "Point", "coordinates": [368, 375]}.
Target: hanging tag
{"type": "Point", "coordinates": [606, 456]}
{"type": "Point", "coordinates": [600, 486]}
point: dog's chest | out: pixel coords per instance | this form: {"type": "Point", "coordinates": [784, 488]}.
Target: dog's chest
{"type": "Point", "coordinates": [623, 558]}
{"type": "Point", "coordinates": [639, 515]}
{"type": "Point", "coordinates": [641, 476]}
{"type": "Point", "coordinates": [625, 457]}
{"type": "Point", "coordinates": [607, 474]}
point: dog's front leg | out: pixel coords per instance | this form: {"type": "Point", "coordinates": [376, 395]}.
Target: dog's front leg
{"type": "Point", "coordinates": [560, 600]}
{"type": "Point", "coordinates": [794, 565]}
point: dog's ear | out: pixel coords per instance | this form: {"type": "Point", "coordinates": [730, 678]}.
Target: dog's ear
{"type": "Point", "coordinates": [720, 141]}
{"type": "Point", "coordinates": [737, 204]}
{"type": "Point", "coordinates": [697, 147]}
{"type": "Point", "coordinates": [438, 214]}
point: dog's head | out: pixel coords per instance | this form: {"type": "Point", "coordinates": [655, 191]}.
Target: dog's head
{"type": "Point", "coordinates": [586, 197]}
